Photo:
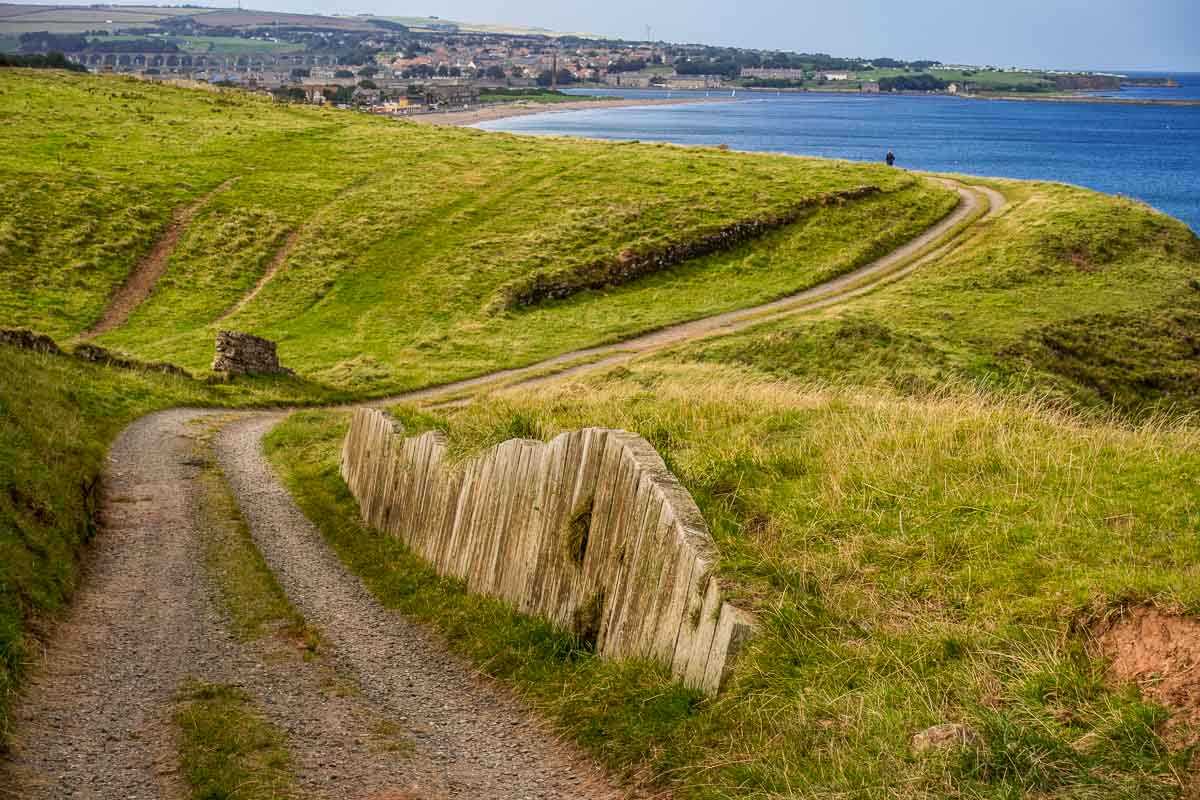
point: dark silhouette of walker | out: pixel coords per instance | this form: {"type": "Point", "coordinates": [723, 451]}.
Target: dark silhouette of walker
{"type": "Point", "coordinates": [890, 158]}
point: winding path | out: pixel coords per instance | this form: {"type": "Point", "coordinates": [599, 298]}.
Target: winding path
{"type": "Point", "coordinates": [975, 203]}
{"type": "Point", "coordinates": [95, 720]}
{"type": "Point", "coordinates": [142, 278]}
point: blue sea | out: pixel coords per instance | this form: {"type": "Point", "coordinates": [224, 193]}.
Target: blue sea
{"type": "Point", "coordinates": [1148, 152]}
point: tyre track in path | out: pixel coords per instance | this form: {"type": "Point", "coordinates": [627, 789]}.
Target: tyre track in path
{"type": "Point", "coordinates": [95, 720]}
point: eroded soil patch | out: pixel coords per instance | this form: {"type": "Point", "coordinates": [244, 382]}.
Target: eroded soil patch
{"type": "Point", "coordinates": [1161, 654]}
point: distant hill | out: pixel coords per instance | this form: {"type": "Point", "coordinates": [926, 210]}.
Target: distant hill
{"type": "Point", "coordinates": [439, 24]}
{"type": "Point", "coordinates": [16, 19]}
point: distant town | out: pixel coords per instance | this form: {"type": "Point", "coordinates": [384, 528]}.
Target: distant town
{"type": "Point", "coordinates": [403, 66]}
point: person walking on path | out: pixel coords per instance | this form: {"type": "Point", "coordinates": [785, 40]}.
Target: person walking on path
{"type": "Point", "coordinates": [890, 159]}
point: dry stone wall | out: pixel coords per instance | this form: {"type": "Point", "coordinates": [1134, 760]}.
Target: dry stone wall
{"type": "Point", "coordinates": [540, 286]}
{"type": "Point", "coordinates": [246, 354]}
{"type": "Point", "coordinates": [589, 530]}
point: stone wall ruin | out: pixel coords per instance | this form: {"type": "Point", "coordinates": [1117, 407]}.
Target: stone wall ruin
{"type": "Point", "coordinates": [246, 354]}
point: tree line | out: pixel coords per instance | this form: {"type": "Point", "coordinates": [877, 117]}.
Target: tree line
{"type": "Point", "coordinates": [39, 61]}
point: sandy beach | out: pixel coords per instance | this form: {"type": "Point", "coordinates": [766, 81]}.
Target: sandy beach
{"type": "Point", "coordinates": [474, 116]}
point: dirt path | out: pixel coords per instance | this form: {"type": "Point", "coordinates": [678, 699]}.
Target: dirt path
{"type": "Point", "coordinates": [145, 274]}
{"type": "Point", "coordinates": [95, 720]}
{"type": "Point", "coordinates": [487, 746]}
{"type": "Point", "coordinates": [277, 262]}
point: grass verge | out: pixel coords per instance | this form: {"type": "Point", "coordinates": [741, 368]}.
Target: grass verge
{"type": "Point", "coordinates": [228, 750]}
{"type": "Point", "coordinates": [911, 561]}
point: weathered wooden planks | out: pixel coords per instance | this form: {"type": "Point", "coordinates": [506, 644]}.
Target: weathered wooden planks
{"type": "Point", "coordinates": [589, 530]}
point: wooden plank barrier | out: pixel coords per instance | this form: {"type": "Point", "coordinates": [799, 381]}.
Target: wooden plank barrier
{"type": "Point", "coordinates": [590, 531]}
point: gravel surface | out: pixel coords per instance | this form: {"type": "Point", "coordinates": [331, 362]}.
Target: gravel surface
{"type": "Point", "coordinates": [384, 713]}
{"type": "Point", "coordinates": [482, 742]}
{"type": "Point", "coordinates": [95, 719]}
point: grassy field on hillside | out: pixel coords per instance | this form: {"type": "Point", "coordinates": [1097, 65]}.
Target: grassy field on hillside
{"type": "Point", "coordinates": [403, 235]}
{"type": "Point", "coordinates": [912, 562]}
{"type": "Point", "coordinates": [917, 553]}
{"type": "Point", "coordinates": [1090, 299]}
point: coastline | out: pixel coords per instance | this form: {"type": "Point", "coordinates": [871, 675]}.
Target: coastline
{"type": "Point", "coordinates": [1087, 99]}
{"type": "Point", "coordinates": [476, 115]}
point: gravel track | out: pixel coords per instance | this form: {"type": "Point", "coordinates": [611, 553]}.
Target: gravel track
{"type": "Point", "coordinates": [485, 744]}
{"type": "Point", "coordinates": [95, 720]}
{"type": "Point", "coordinates": [935, 241]}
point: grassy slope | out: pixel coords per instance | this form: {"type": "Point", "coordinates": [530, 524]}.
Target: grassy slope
{"type": "Point", "coordinates": [406, 230]}
{"type": "Point", "coordinates": [1088, 298]}
{"type": "Point", "coordinates": [911, 623]}
{"type": "Point", "coordinates": [912, 561]}
{"type": "Point", "coordinates": [917, 554]}
{"type": "Point", "coordinates": [406, 233]}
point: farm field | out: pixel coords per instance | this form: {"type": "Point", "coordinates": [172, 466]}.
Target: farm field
{"type": "Point", "coordinates": [17, 19]}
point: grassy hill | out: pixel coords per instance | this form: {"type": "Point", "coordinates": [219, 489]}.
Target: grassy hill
{"type": "Point", "coordinates": [1070, 294]}
{"type": "Point", "coordinates": [395, 239]}
{"type": "Point", "coordinates": [912, 561]}
{"type": "Point", "coordinates": [398, 238]}
{"type": "Point", "coordinates": [928, 494]}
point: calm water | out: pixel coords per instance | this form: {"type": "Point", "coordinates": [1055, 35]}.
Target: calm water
{"type": "Point", "coordinates": [1148, 152]}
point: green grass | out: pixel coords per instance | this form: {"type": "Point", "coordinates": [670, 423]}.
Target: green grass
{"type": "Point", "coordinates": [228, 750]}
{"type": "Point", "coordinates": [915, 553]}
{"type": "Point", "coordinates": [406, 233]}
{"type": "Point", "coordinates": [911, 561]}
{"type": "Point", "coordinates": [249, 591]}
{"type": "Point", "coordinates": [234, 46]}
{"type": "Point", "coordinates": [212, 45]}
{"type": "Point", "coordinates": [1085, 298]}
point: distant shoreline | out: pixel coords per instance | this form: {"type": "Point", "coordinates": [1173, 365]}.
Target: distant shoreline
{"type": "Point", "coordinates": [1089, 99]}
{"type": "Point", "coordinates": [1035, 98]}
{"type": "Point", "coordinates": [492, 113]}
{"type": "Point", "coordinates": [476, 115]}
